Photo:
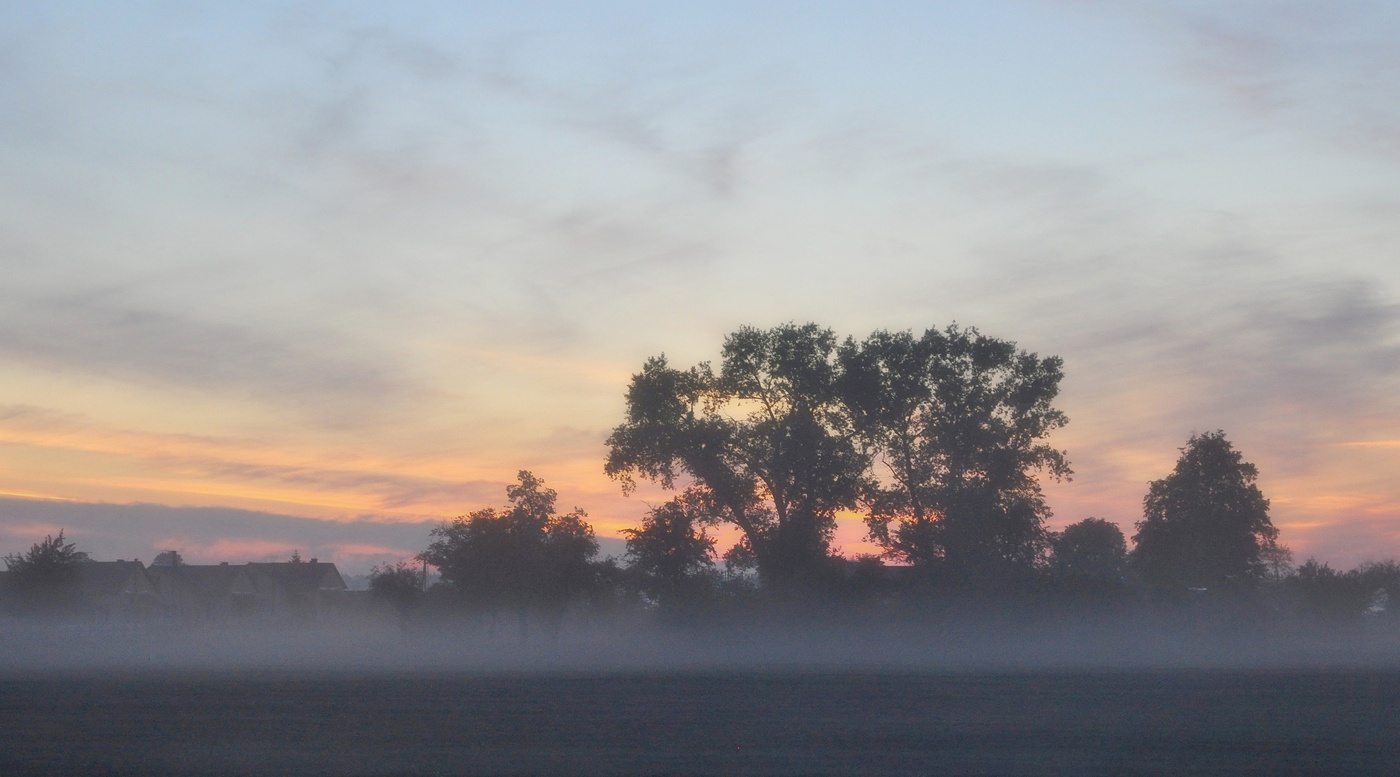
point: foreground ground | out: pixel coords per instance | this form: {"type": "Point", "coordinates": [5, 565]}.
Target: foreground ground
{"type": "Point", "coordinates": [1236, 722]}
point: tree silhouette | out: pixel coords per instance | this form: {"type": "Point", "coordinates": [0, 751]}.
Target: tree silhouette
{"type": "Point", "coordinates": [401, 585]}
{"type": "Point", "coordinates": [525, 556]}
{"type": "Point", "coordinates": [1325, 595]}
{"type": "Point", "coordinates": [1339, 599]}
{"type": "Point", "coordinates": [1088, 552]}
{"type": "Point", "coordinates": [765, 440]}
{"type": "Point", "coordinates": [45, 578]}
{"type": "Point", "coordinates": [672, 552]}
{"type": "Point", "coordinates": [957, 422]}
{"type": "Point", "coordinates": [1206, 524]}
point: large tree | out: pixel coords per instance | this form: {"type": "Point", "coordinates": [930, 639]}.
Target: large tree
{"type": "Point", "coordinates": [1206, 524]}
{"type": "Point", "coordinates": [957, 422]}
{"type": "Point", "coordinates": [525, 556]}
{"type": "Point", "coordinates": [765, 440]}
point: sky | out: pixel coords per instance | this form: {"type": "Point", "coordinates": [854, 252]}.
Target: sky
{"type": "Point", "coordinates": [316, 276]}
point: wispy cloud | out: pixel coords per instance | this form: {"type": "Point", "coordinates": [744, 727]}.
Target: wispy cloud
{"type": "Point", "coordinates": [1328, 69]}
{"type": "Point", "coordinates": [267, 467]}
{"type": "Point", "coordinates": [99, 334]}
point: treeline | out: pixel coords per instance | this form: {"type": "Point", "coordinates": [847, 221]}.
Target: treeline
{"type": "Point", "coordinates": [938, 441]}
{"type": "Point", "coordinates": [527, 559]}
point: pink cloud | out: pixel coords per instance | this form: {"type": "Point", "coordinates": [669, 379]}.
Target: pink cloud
{"type": "Point", "coordinates": [226, 549]}
{"type": "Point", "coordinates": [35, 531]}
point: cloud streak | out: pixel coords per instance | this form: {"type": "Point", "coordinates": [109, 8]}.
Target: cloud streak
{"type": "Point", "coordinates": [1328, 69]}
{"type": "Point", "coordinates": [98, 334]}
{"type": "Point", "coordinates": [268, 466]}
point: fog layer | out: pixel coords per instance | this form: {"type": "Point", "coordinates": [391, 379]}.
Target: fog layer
{"type": "Point", "coordinates": [505, 644]}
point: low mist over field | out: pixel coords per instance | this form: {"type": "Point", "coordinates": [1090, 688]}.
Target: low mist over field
{"type": "Point", "coordinates": [830, 645]}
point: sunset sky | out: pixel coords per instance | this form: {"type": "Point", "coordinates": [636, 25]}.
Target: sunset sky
{"type": "Point", "coordinates": [316, 275]}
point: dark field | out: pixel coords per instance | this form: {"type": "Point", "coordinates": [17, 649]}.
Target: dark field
{"type": "Point", "coordinates": [1344, 722]}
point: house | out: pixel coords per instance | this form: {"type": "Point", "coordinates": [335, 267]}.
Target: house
{"type": "Point", "coordinates": [291, 589]}
{"type": "Point", "coordinates": [205, 590]}
{"type": "Point", "coordinates": [295, 588]}
{"type": "Point", "coordinates": [117, 588]}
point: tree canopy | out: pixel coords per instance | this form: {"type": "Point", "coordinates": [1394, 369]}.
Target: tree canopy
{"type": "Point", "coordinates": [46, 576]}
{"type": "Point", "coordinates": [1206, 524]}
{"type": "Point", "coordinates": [168, 558]}
{"type": "Point", "coordinates": [957, 422]}
{"type": "Point", "coordinates": [1091, 550]}
{"type": "Point", "coordinates": [765, 440]}
{"type": "Point", "coordinates": [671, 550]}
{"type": "Point", "coordinates": [523, 556]}
{"type": "Point", "coordinates": [401, 585]}
{"type": "Point", "coordinates": [938, 438]}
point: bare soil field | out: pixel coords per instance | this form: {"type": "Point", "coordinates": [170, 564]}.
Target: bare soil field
{"type": "Point", "coordinates": [1181, 722]}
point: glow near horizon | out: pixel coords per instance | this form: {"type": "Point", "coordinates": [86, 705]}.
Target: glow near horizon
{"type": "Point", "coordinates": [344, 260]}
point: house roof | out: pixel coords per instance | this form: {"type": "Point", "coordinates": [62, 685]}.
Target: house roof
{"type": "Point", "coordinates": [301, 576]}
{"type": "Point", "coordinates": [110, 577]}
{"type": "Point", "coordinates": [205, 579]}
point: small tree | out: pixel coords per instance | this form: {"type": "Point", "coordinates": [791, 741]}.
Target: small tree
{"type": "Point", "coordinates": [1205, 525]}
{"type": "Point", "coordinates": [672, 551]}
{"type": "Point", "coordinates": [401, 585]}
{"type": "Point", "coordinates": [525, 556]}
{"type": "Point", "coordinates": [168, 558]}
{"type": "Point", "coordinates": [45, 578]}
{"type": "Point", "coordinates": [1090, 550]}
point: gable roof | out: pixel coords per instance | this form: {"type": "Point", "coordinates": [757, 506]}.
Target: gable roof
{"type": "Point", "coordinates": [208, 580]}
{"type": "Point", "coordinates": [113, 577]}
{"type": "Point", "coordinates": [301, 576]}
